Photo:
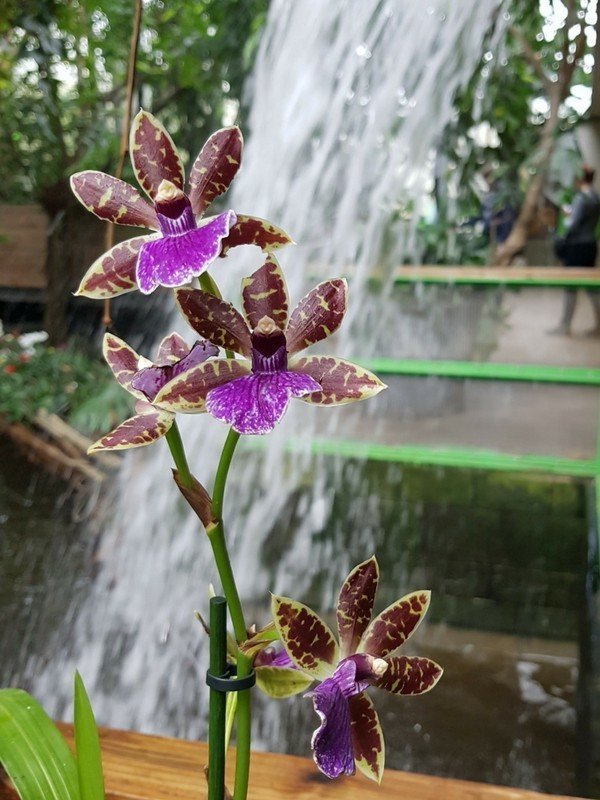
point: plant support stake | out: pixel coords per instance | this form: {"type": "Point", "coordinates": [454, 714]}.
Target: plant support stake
{"type": "Point", "coordinates": [217, 699]}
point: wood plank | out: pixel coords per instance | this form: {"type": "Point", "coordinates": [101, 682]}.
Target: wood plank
{"type": "Point", "coordinates": [141, 767]}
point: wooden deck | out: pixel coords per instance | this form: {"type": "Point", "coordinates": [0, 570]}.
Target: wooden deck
{"type": "Point", "coordinates": [500, 276]}
{"type": "Point", "coordinates": [139, 767]}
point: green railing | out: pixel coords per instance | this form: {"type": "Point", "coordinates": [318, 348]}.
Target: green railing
{"type": "Point", "coordinates": [469, 457]}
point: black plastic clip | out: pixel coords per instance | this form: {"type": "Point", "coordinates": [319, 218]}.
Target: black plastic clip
{"type": "Point", "coordinates": [229, 682]}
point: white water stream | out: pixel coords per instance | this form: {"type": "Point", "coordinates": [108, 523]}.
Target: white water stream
{"type": "Point", "coordinates": [349, 98]}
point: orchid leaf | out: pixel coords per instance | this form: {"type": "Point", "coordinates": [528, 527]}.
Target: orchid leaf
{"type": "Point", "coordinates": [393, 626]}
{"type": "Point", "coordinates": [256, 231]}
{"type": "Point", "coordinates": [113, 200]}
{"type": "Point", "coordinates": [186, 392]}
{"type": "Point", "coordinates": [137, 431]}
{"type": "Point", "coordinates": [87, 746]}
{"type": "Point", "coordinates": [33, 752]}
{"type": "Point", "coordinates": [355, 604]}
{"type": "Point", "coordinates": [281, 682]}
{"type": "Point", "coordinates": [367, 737]}
{"type": "Point", "coordinates": [307, 639]}
{"type": "Point", "coordinates": [264, 294]}
{"type": "Point", "coordinates": [215, 167]}
{"type": "Point", "coordinates": [153, 154]}
{"type": "Point", "coordinates": [409, 675]}
{"type": "Point", "coordinates": [114, 272]}
{"type": "Point", "coordinates": [341, 381]}
{"type": "Point", "coordinates": [317, 315]}
{"type": "Point", "coordinates": [230, 712]}
{"type": "Point", "coordinates": [215, 320]}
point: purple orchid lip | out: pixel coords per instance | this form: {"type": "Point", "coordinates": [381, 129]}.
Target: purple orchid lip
{"type": "Point", "coordinates": [183, 253]}
{"type": "Point", "coordinates": [174, 210]}
{"type": "Point", "coordinates": [332, 741]}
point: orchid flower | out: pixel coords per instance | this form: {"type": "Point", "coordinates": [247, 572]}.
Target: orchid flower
{"type": "Point", "coordinates": [350, 734]}
{"type": "Point", "coordinates": [184, 244]}
{"type": "Point", "coordinates": [144, 379]}
{"type": "Point", "coordinates": [253, 396]}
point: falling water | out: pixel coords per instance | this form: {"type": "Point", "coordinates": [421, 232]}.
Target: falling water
{"type": "Point", "coordinates": [348, 102]}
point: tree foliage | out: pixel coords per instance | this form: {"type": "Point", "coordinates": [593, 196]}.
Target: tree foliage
{"type": "Point", "coordinates": [62, 80]}
{"type": "Point", "coordinates": [544, 59]}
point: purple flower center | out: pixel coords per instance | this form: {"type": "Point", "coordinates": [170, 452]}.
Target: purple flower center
{"type": "Point", "coordinates": [174, 212]}
{"type": "Point", "coordinates": [269, 353]}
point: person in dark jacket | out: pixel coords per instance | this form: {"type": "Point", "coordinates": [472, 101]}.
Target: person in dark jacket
{"type": "Point", "coordinates": [579, 248]}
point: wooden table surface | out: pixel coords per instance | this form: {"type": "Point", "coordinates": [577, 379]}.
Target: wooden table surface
{"type": "Point", "coordinates": [140, 767]}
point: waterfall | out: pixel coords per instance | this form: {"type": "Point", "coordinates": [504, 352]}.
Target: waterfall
{"type": "Point", "coordinates": [348, 102]}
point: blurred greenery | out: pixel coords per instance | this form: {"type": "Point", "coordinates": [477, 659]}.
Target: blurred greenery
{"type": "Point", "coordinates": [62, 80]}
{"type": "Point", "coordinates": [66, 381]}
{"type": "Point", "coordinates": [495, 133]}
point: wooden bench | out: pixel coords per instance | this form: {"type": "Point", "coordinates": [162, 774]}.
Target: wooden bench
{"type": "Point", "coordinates": [141, 767]}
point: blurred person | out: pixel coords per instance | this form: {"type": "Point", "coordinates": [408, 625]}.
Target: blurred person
{"type": "Point", "coordinates": [579, 248]}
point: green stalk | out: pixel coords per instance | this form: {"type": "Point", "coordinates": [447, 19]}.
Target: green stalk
{"type": "Point", "coordinates": [216, 536]}
{"type": "Point", "coordinates": [217, 700]}
{"type": "Point", "coordinates": [173, 438]}
{"type": "Point", "coordinates": [208, 285]}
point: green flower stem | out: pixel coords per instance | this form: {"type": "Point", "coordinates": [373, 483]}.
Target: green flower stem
{"type": "Point", "coordinates": [208, 285]}
{"type": "Point", "coordinates": [222, 472]}
{"type": "Point", "coordinates": [173, 438]}
{"type": "Point", "coordinates": [216, 536]}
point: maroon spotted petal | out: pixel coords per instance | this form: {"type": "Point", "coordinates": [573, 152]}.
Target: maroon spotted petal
{"type": "Point", "coordinates": [264, 294]}
{"type": "Point", "coordinates": [355, 605]}
{"type": "Point", "coordinates": [367, 737]}
{"type": "Point", "coordinates": [187, 392]}
{"type": "Point", "coordinates": [215, 320]}
{"type": "Point", "coordinates": [317, 315]}
{"type": "Point", "coordinates": [114, 272]}
{"type": "Point", "coordinates": [153, 154]}
{"type": "Point", "coordinates": [393, 626]}
{"type": "Point", "coordinates": [256, 231]}
{"type": "Point", "coordinates": [409, 675]}
{"type": "Point", "coordinates": [136, 432]}
{"type": "Point", "coordinates": [113, 200]}
{"type": "Point", "coordinates": [340, 381]}
{"type": "Point", "coordinates": [215, 167]}
{"type": "Point", "coordinates": [123, 362]}
{"type": "Point", "coordinates": [172, 348]}
{"type": "Point", "coordinates": [307, 639]}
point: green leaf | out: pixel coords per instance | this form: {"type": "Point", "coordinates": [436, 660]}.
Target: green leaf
{"type": "Point", "coordinates": [87, 746]}
{"type": "Point", "coordinates": [231, 708]}
{"type": "Point", "coordinates": [281, 682]}
{"type": "Point", "coordinates": [33, 751]}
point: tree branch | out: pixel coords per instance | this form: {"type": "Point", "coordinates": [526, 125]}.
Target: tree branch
{"type": "Point", "coordinates": [532, 58]}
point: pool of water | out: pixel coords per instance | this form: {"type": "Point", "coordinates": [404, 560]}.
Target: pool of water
{"type": "Point", "coordinates": [504, 555]}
